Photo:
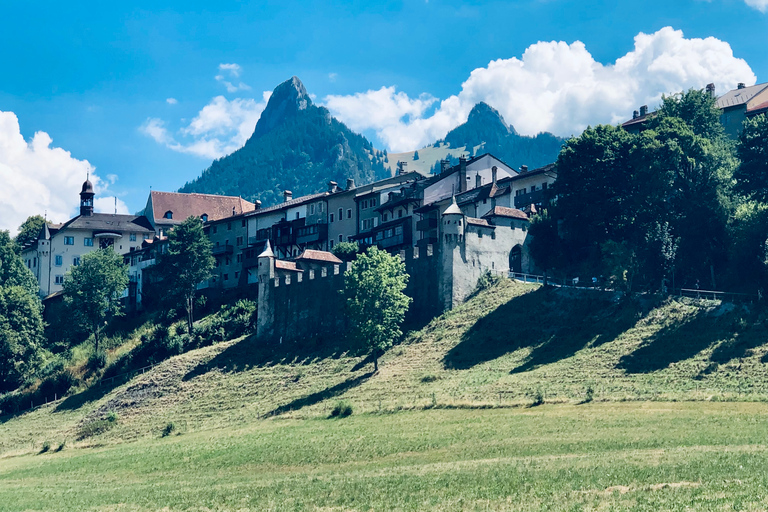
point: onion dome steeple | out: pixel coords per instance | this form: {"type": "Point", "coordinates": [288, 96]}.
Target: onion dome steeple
{"type": "Point", "coordinates": [86, 198]}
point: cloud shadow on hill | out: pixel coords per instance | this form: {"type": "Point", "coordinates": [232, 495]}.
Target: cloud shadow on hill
{"type": "Point", "coordinates": [553, 323]}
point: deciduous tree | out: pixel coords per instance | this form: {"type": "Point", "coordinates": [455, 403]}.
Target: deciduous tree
{"type": "Point", "coordinates": [92, 289]}
{"type": "Point", "coordinates": [374, 287]}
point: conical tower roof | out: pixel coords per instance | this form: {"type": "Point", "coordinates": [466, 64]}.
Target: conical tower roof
{"type": "Point", "coordinates": [453, 209]}
{"type": "Point", "coordinates": [267, 251]}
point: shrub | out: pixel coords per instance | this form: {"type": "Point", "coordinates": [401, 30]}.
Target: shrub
{"type": "Point", "coordinates": [429, 378]}
{"type": "Point", "coordinates": [168, 429]}
{"type": "Point", "coordinates": [589, 394]}
{"type": "Point", "coordinates": [342, 409]}
{"type": "Point", "coordinates": [61, 446]}
{"type": "Point", "coordinates": [538, 397]}
{"type": "Point", "coordinates": [97, 361]}
{"type": "Point", "coordinates": [46, 447]}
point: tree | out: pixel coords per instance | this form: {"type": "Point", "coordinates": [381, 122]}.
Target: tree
{"type": "Point", "coordinates": [187, 263]}
{"type": "Point", "coordinates": [415, 155]}
{"type": "Point", "coordinates": [21, 323]}
{"type": "Point", "coordinates": [346, 251]}
{"type": "Point", "coordinates": [29, 230]}
{"type": "Point", "coordinates": [92, 290]}
{"type": "Point", "coordinates": [374, 288]}
{"type": "Point", "coordinates": [752, 174]}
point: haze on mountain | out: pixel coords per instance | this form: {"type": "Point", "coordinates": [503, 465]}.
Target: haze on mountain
{"type": "Point", "coordinates": [296, 146]}
{"type": "Point", "coordinates": [299, 146]}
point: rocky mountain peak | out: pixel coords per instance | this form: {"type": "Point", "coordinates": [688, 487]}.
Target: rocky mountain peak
{"type": "Point", "coordinates": [482, 113]}
{"type": "Point", "coordinates": [288, 98]}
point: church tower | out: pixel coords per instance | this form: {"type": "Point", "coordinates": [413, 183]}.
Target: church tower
{"type": "Point", "coordinates": [86, 199]}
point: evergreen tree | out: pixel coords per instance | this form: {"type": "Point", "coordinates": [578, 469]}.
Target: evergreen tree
{"type": "Point", "coordinates": [752, 149]}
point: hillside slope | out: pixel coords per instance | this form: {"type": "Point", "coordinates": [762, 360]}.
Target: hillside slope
{"type": "Point", "coordinates": [502, 347]}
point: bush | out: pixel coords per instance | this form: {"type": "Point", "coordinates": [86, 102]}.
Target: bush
{"type": "Point", "coordinates": [342, 409]}
{"type": "Point", "coordinates": [538, 398]}
{"type": "Point", "coordinates": [61, 446]}
{"type": "Point", "coordinates": [168, 429]}
{"type": "Point", "coordinates": [46, 447]}
{"type": "Point", "coordinates": [97, 361]}
{"type": "Point", "coordinates": [228, 323]}
{"type": "Point", "coordinates": [429, 378]}
{"type": "Point", "coordinates": [590, 394]}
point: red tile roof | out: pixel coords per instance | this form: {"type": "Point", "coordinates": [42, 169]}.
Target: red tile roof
{"type": "Point", "coordinates": [479, 222]}
{"type": "Point", "coordinates": [503, 211]}
{"type": "Point", "coordinates": [184, 206]}
{"type": "Point", "coordinates": [287, 265]}
{"type": "Point", "coordinates": [324, 256]}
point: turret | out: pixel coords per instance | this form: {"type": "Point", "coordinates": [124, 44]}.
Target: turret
{"type": "Point", "coordinates": [86, 199]}
{"type": "Point", "coordinates": [453, 220]}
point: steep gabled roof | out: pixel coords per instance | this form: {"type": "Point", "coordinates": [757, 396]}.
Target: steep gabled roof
{"type": "Point", "coordinates": [503, 211]}
{"type": "Point", "coordinates": [184, 206]}
{"type": "Point", "coordinates": [318, 256]}
{"type": "Point", "coordinates": [740, 96]}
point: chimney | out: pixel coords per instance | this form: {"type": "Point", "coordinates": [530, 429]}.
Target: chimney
{"type": "Point", "coordinates": [494, 174]}
{"type": "Point", "coordinates": [462, 174]}
{"type": "Point", "coordinates": [445, 165]}
{"type": "Point", "coordinates": [523, 168]}
{"type": "Point", "coordinates": [741, 85]}
{"type": "Point", "coordinates": [401, 168]}
{"type": "Point", "coordinates": [332, 186]}
{"type": "Point", "coordinates": [711, 90]}
{"type": "Point", "coordinates": [478, 180]}
{"type": "Point", "coordinates": [233, 211]}
{"type": "Point", "coordinates": [350, 183]}
{"type": "Point", "coordinates": [257, 205]}
{"type": "Point", "coordinates": [287, 195]}
{"type": "Point", "coordinates": [644, 110]}
{"type": "Point", "coordinates": [635, 114]}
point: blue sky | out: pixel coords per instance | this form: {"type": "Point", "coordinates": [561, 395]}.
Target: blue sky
{"type": "Point", "coordinates": [147, 94]}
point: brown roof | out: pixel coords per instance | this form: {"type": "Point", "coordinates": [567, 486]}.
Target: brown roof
{"type": "Point", "coordinates": [503, 211]}
{"type": "Point", "coordinates": [287, 265]}
{"type": "Point", "coordinates": [184, 206]}
{"type": "Point", "coordinates": [479, 222]}
{"type": "Point", "coordinates": [757, 108]}
{"type": "Point", "coordinates": [324, 256]}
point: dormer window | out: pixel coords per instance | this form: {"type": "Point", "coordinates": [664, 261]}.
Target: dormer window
{"type": "Point", "coordinates": [204, 217]}
{"type": "Point", "coordinates": [168, 215]}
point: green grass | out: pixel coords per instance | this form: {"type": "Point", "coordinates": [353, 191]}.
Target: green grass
{"type": "Point", "coordinates": [627, 456]}
{"type": "Point", "coordinates": [446, 424]}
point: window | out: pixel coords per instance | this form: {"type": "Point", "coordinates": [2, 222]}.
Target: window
{"type": "Point", "coordinates": [88, 242]}
{"type": "Point", "coordinates": [215, 229]}
{"type": "Point", "coordinates": [76, 260]}
{"type": "Point", "coordinates": [237, 274]}
{"type": "Point", "coordinates": [58, 260]}
{"type": "Point", "coordinates": [59, 279]}
{"type": "Point", "coordinates": [229, 226]}
{"type": "Point", "coordinates": [331, 244]}
{"type": "Point", "coordinates": [312, 209]}
{"type": "Point", "coordinates": [341, 213]}
{"type": "Point", "coordinates": [349, 213]}
{"type": "Point", "coordinates": [239, 258]}
{"type": "Point", "coordinates": [297, 215]}
{"type": "Point", "coordinates": [34, 262]}
{"type": "Point", "coordinates": [384, 217]}
{"type": "Point", "coordinates": [225, 277]}
{"type": "Point", "coordinates": [398, 230]}
{"type": "Point", "coordinates": [320, 208]}
{"type": "Point", "coordinates": [242, 223]}
{"type": "Point", "coordinates": [399, 214]}
{"type": "Point", "coordinates": [229, 260]}
{"type": "Point", "coordinates": [341, 238]}
{"type": "Point", "coordinates": [533, 188]}
{"type": "Point", "coordinates": [364, 205]}
{"type": "Point", "coordinates": [133, 237]}
{"type": "Point", "coordinates": [239, 240]}
{"type": "Point", "coordinates": [168, 214]}
{"type": "Point", "coordinates": [544, 185]}
{"type": "Point", "coordinates": [331, 217]}
{"type": "Point", "coordinates": [69, 240]}
{"type": "Point", "coordinates": [373, 202]}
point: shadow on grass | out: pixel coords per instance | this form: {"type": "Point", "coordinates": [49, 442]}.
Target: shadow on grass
{"type": "Point", "coordinates": [251, 352]}
{"type": "Point", "coordinates": [554, 323]}
{"type": "Point", "coordinates": [319, 396]}
{"type": "Point", "coordinates": [679, 341]}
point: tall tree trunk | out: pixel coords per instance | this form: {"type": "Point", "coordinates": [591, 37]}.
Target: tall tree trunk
{"type": "Point", "coordinates": [190, 317]}
{"type": "Point", "coordinates": [96, 335]}
{"type": "Point", "coordinates": [375, 360]}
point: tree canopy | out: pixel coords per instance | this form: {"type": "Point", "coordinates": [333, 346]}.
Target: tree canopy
{"type": "Point", "coordinates": [374, 287]}
{"type": "Point", "coordinates": [752, 174]}
{"type": "Point", "coordinates": [29, 230]}
{"type": "Point", "coordinates": [187, 263]}
{"type": "Point", "coordinates": [92, 289]}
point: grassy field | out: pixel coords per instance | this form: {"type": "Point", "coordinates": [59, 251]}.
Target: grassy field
{"type": "Point", "coordinates": [607, 456]}
{"type": "Point", "coordinates": [677, 392]}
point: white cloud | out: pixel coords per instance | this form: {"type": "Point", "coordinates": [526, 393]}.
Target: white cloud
{"type": "Point", "coordinates": [553, 86]}
{"type": "Point", "coordinates": [220, 127]}
{"type": "Point", "coordinates": [37, 178]}
{"type": "Point", "coordinates": [108, 205]}
{"type": "Point", "coordinates": [171, 101]}
{"type": "Point", "coordinates": [760, 5]}
{"type": "Point", "coordinates": [332, 77]}
{"type": "Point", "coordinates": [228, 73]}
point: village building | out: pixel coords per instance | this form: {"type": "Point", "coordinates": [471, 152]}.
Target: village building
{"type": "Point", "coordinates": [59, 247]}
